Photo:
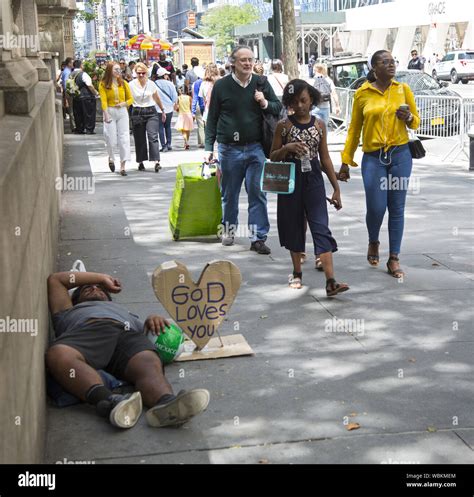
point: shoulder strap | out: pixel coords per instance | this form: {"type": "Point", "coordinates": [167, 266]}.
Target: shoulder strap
{"type": "Point", "coordinates": [279, 82]}
{"type": "Point", "coordinates": [287, 125]}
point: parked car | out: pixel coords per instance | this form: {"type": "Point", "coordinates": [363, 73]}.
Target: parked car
{"type": "Point", "coordinates": [455, 66]}
{"type": "Point", "coordinates": [438, 117]}
{"type": "Point", "coordinates": [346, 69]}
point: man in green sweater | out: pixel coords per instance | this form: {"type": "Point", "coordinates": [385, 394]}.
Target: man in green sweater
{"type": "Point", "coordinates": [235, 121]}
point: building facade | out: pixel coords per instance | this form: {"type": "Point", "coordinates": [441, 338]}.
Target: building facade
{"type": "Point", "coordinates": [328, 27]}
{"type": "Point", "coordinates": [31, 135]}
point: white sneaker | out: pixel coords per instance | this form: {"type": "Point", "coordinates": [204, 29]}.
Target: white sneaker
{"type": "Point", "coordinates": [227, 240]}
{"type": "Point", "coordinates": [180, 409]}
{"type": "Point", "coordinates": [127, 411]}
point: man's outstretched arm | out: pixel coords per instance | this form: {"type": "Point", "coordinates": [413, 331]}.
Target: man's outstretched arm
{"type": "Point", "coordinates": [59, 284]}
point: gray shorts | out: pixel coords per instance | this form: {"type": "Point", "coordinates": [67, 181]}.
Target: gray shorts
{"type": "Point", "coordinates": [106, 345]}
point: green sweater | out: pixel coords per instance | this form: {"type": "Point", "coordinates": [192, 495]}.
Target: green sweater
{"type": "Point", "coordinates": [234, 115]}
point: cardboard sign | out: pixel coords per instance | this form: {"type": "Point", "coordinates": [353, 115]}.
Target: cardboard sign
{"type": "Point", "coordinates": [278, 177]}
{"type": "Point", "coordinates": [197, 308]}
{"type": "Point", "coordinates": [217, 348]}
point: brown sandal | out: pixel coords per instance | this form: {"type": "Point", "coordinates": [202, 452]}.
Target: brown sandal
{"type": "Point", "coordinates": [333, 288]}
{"type": "Point", "coordinates": [396, 273]}
{"type": "Point", "coordinates": [373, 259]}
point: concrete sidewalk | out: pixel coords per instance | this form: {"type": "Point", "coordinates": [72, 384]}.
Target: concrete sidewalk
{"type": "Point", "coordinates": [405, 374]}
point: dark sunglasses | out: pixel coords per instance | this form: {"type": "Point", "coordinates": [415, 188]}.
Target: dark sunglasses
{"type": "Point", "coordinates": [141, 73]}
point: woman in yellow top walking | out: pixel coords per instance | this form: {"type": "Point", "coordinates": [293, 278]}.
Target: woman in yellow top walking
{"type": "Point", "coordinates": [116, 97]}
{"type": "Point", "coordinates": [184, 124]}
{"type": "Point", "coordinates": [382, 110]}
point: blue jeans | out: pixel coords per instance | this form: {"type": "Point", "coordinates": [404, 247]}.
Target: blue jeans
{"type": "Point", "coordinates": [165, 128]}
{"type": "Point", "coordinates": [386, 186]}
{"type": "Point", "coordinates": [239, 162]}
{"type": "Point", "coordinates": [323, 114]}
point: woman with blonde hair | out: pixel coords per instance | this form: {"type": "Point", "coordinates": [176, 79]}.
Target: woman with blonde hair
{"type": "Point", "coordinates": [145, 118]}
{"type": "Point", "coordinates": [258, 68]}
{"type": "Point", "coordinates": [327, 89]}
{"type": "Point", "coordinates": [115, 97]}
{"type": "Point", "coordinates": [211, 75]}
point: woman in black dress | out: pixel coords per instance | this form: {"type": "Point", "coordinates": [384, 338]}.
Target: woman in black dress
{"type": "Point", "coordinates": [299, 139]}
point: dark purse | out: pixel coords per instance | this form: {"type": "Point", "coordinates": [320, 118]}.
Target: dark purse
{"type": "Point", "coordinates": [416, 148]}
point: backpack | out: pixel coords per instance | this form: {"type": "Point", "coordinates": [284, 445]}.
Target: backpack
{"type": "Point", "coordinates": [269, 121]}
{"type": "Point", "coordinates": [72, 89]}
{"type": "Point", "coordinates": [323, 86]}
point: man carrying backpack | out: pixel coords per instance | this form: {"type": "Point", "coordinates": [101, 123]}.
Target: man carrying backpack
{"type": "Point", "coordinates": [326, 88]}
{"type": "Point", "coordinates": [85, 103]}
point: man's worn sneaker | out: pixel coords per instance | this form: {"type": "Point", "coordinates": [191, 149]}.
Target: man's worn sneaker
{"type": "Point", "coordinates": [260, 247]}
{"type": "Point", "coordinates": [227, 240]}
{"type": "Point", "coordinates": [180, 409]}
{"type": "Point", "coordinates": [126, 409]}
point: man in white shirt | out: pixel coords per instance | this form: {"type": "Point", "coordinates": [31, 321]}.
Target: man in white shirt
{"type": "Point", "coordinates": [88, 96]}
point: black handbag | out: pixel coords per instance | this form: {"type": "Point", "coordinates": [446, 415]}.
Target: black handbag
{"type": "Point", "coordinates": [416, 148]}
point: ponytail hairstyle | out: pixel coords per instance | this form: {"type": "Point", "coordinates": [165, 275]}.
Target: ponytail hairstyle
{"type": "Point", "coordinates": [373, 60]}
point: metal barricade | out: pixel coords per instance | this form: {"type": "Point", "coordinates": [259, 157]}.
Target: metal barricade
{"type": "Point", "coordinates": [444, 116]}
{"type": "Point", "coordinates": [440, 116]}
{"type": "Point", "coordinates": [345, 98]}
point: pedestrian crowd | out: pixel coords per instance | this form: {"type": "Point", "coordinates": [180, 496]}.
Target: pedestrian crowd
{"type": "Point", "coordinates": [232, 112]}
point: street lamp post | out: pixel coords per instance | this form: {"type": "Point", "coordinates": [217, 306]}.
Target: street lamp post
{"type": "Point", "coordinates": [276, 29]}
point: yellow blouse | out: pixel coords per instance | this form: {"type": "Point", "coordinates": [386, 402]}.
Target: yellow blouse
{"type": "Point", "coordinates": [115, 95]}
{"type": "Point", "coordinates": [373, 112]}
{"type": "Point", "coordinates": [184, 104]}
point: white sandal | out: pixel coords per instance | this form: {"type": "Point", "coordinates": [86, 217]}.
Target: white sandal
{"type": "Point", "coordinates": [295, 282]}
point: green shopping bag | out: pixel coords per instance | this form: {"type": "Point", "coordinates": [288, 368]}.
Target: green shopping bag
{"type": "Point", "coordinates": [196, 208]}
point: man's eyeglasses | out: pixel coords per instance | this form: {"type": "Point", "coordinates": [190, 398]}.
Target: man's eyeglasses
{"type": "Point", "coordinates": [251, 60]}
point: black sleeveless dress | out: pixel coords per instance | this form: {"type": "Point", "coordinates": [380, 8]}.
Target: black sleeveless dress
{"type": "Point", "coordinates": [308, 201]}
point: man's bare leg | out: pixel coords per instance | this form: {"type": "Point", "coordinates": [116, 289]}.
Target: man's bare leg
{"type": "Point", "coordinates": [145, 371]}
{"type": "Point", "coordinates": [70, 370]}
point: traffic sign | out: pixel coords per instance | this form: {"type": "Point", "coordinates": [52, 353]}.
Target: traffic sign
{"type": "Point", "coordinates": [191, 19]}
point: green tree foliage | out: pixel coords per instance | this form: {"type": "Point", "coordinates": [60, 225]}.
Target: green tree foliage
{"type": "Point", "coordinates": [219, 23]}
{"type": "Point", "coordinates": [82, 15]}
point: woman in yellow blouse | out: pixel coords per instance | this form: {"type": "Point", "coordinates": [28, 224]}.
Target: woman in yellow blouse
{"type": "Point", "coordinates": [116, 97]}
{"type": "Point", "coordinates": [382, 110]}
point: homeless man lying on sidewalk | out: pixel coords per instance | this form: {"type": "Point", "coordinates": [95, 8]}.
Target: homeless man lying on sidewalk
{"type": "Point", "coordinates": [92, 333]}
